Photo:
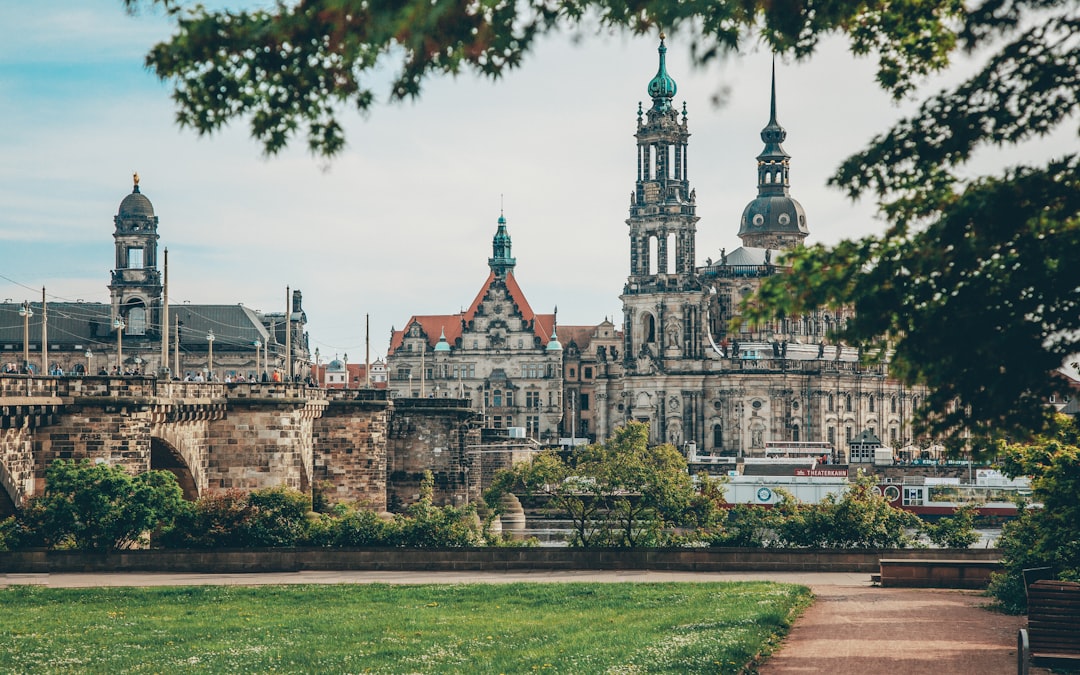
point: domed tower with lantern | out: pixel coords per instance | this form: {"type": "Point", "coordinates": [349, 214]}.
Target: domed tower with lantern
{"type": "Point", "coordinates": [135, 288]}
{"type": "Point", "coordinates": [774, 219]}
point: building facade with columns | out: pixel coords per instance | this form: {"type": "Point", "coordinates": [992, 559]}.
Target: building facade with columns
{"type": "Point", "coordinates": [138, 332]}
{"type": "Point", "coordinates": [677, 361]}
{"type": "Point", "coordinates": [683, 368]}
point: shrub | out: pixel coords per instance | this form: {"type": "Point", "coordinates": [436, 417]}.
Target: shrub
{"type": "Point", "coordinates": [95, 507]}
{"type": "Point", "coordinates": [746, 526]}
{"type": "Point", "coordinates": [236, 519]}
{"type": "Point", "coordinates": [857, 519]}
{"type": "Point", "coordinates": [349, 526]}
{"type": "Point", "coordinates": [278, 517]}
{"type": "Point", "coordinates": [955, 531]}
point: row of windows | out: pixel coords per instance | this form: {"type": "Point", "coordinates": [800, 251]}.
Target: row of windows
{"type": "Point", "coordinates": [586, 372]}
{"type": "Point", "coordinates": [757, 438]}
{"type": "Point", "coordinates": [847, 401]}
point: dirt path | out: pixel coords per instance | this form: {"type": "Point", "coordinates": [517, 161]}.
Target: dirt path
{"type": "Point", "coordinates": [898, 631]}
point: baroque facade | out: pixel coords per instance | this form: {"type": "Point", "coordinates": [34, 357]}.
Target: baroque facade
{"type": "Point", "coordinates": [138, 332]}
{"type": "Point", "coordinates": [499, 354]}
{"type": "Point", "coordinates": [676, 361]}
{"type": "Point", "coordinates": [697, 381]}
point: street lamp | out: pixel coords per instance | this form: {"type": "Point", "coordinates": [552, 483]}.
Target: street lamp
{"type": "Point", "coordinates": [318, 378]}
{"type": "Point", "coordinates": [26, 312]}
{"type": "Point", "coordinates": [119, 325]}
{"type": "Point", "coordinates": [210, 355]}
{"type": "Point", "coordinates": [89, 363]}
{"type": "Point", "coordinates": [258, 346]}
{"type": "Point", "coordinates": [345, 359]}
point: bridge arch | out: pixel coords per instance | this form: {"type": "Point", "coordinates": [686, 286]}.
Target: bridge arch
{"type": "Point", "coordinates": [166, 457]}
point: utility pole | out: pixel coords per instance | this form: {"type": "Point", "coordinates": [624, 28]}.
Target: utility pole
{"type": "Point", "coordinates": [288, 336]}
{"type": "Point", "coordinates": [44, 334]}
{"type": "Point", "coordinates": [165, 322]}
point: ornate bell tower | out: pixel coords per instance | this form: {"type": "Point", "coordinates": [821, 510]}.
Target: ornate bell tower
{"type": "Point", "coordinates": [660, 299]}
{"type": "Point", "coordinates": [135, 288]}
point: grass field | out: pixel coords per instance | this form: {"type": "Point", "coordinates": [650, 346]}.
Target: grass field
{"type": "Point", "coordinates": [485, 628]}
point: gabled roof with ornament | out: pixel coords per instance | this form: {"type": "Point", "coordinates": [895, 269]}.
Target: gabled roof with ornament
{"type": "Point", "coordinates": [453, 325]}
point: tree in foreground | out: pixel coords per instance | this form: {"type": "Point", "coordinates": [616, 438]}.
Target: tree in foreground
{"type": "Point", "coordinates": [293, 68]}
{"type": "Point", "coordinates": [1047, 536]}
{"type": "Point", "coordinates": [622, 492]}
{"type": "Point", "coordinates": [97, 507]}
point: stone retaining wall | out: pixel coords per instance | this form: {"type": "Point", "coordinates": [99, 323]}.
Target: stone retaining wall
{"type": "Point", "coordinates": [472, 559]}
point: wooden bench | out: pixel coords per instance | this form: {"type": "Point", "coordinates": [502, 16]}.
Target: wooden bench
{"type": "Point", "coordinates": [1052, 637]}
{"type": "Point", "coordinates": [929, 573]}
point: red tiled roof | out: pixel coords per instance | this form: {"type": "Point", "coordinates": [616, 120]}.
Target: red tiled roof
{"type": "Point", "coordinates": [434, 324]}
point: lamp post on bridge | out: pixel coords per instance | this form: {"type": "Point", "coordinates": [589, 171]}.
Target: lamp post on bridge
{"type": "Point", "coordinates": [89, 363]}
{"type": "Point", "coordinates": [26, 312]}
{"type": "Point", "coordinates": [119, 325]}
{"type": "Point", "coordinates": [210, 356]}
{"type": "Point", "coordinates": [258, 346]}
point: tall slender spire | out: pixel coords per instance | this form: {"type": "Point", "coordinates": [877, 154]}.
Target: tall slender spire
{"type": "Point", "coordinates": [773, 134]}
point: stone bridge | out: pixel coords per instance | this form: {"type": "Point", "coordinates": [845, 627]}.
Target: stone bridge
{"type": "Point", "coordinates": [212, 436]}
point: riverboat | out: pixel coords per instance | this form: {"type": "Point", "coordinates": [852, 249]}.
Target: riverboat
{"type": "Point", "coordinates": [993, 494]}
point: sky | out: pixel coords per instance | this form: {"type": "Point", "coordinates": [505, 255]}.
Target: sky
{"type": "Point", "coordinates": [401, 222]}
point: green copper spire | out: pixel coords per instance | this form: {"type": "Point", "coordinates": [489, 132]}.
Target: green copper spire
{"type": "Point", "coordinates": [500, 261]}
{"type": "Point", "coordinates": [773, 134]}
{"type": "Point", "coordinates": [662, 87]}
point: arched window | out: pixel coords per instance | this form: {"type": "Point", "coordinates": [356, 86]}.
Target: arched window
{"type": "Point", "coordinates": [795, 433]}
{"type": "Point", "coordinates": [892, 404]}
{"type": "Point", "coordinates": [850, 407]}
{"type": "Point", "coordinates": [654, 255]}
{"type": "Point", "coordinates": [871, 403]}
{"type": "Point", "coordinates": [671, 254]}
{"type": "Point", "coordinates": [832, 403]}
{"type": "Point", "coordinates": [649, 324]}
{"type": "Point", "coordinates": [136, 320]}
{"type": "Point", "coordinates": [718, 436]}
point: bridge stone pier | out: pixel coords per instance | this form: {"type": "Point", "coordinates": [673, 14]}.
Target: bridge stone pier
{"type": "Point", "coordinates": [212, 436]}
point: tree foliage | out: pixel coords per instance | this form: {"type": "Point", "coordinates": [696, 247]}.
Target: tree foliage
{"type": "Point", "coordinates": [621, 493]}
{"type": "Point", "coordinates": [295, 67]}
{"type": "Point", "coordinates": [1047, 536]}
{"type": "Point", "coordinates": [97, 507]}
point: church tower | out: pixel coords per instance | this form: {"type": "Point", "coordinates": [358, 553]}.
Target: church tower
{"type": "Point", "coordinates": [501, 261]}
{"type": "Point", "coordinates": [660, 299]}
{"type": "Point", "coordinates": [774, 220]}
{"type": "Point", "coordinates": [136, 282]}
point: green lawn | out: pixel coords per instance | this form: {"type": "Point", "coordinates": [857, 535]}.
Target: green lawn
{"type": "Point", "coordinates": [483, 628]}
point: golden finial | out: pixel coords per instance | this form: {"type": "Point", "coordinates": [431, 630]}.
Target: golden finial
{"type": "Point", "coordinates": [135, 176]}
{"type": "Point", "coordinates": [662, 36]}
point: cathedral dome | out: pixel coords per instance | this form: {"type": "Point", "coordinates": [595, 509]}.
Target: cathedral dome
{"type": "Point", "coordinates": [335, 366]}
{"type": "Point", "coordinates": [776, 213]}
{"type": "Point", "coordinates": [136, 203]}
